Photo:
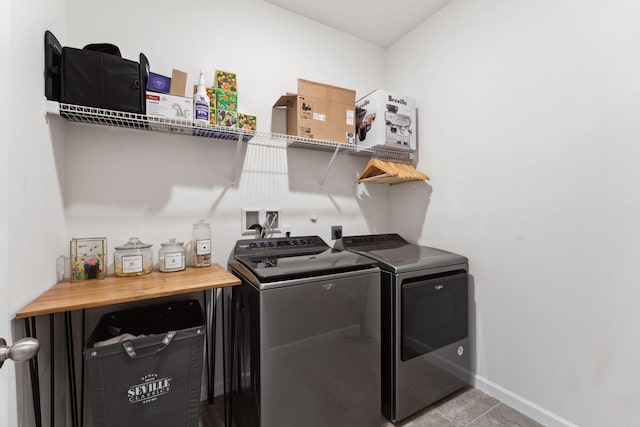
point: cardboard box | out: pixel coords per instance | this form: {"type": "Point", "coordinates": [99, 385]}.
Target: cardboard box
{"type": "Point", "coordinates": [158, 83]}
{"type": "Point", "coordinates": [169, 108]}
{"type": "Point", "coordinates": [386, 119]}
{"type": "Point", "coordinates": [320, 111]}
{"type": "Point", "coordinates": [178, 83]}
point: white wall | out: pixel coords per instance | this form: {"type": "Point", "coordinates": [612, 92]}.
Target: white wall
{"type": "Point", "coordinates": [7, 383]}
{"type": "Point", "coordinates": [526, 125]}
{"type": "Point", "coordinates": [72, 180]}
{"type": "Point", "coordinates": [156, 186]}
{"type": "Point", "coordinates": [34, 206]}
{"type": "Point", "coordinates": [35, 210]}
{"type": "Point", "coordinates": [529, 117]}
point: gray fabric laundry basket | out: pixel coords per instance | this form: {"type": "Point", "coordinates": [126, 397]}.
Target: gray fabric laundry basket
{"type": "Point", "coordinates": [152, 380]}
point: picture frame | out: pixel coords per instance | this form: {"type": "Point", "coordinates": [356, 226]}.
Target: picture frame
{"type": "Point", "coordinates": [87, 258]}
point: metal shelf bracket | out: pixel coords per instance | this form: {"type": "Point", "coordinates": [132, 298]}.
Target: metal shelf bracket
{"type": "Point", "coordinates": [237, 159]}
{"type": "Point", "coordinates": [326, 171]}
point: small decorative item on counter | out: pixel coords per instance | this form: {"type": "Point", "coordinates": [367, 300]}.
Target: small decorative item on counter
{"type": "Point", "coordinates": [172, 256]}
{"type": "Point", "coordinates": [87, 258]}
{"type": "Point", "coordinates": [202, 244]}
{"type": "Point", "coordinates": [133, 258]}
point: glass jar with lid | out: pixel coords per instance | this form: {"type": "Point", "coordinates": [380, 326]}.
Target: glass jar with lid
{"type": "Point", "coordinates": [134, 258]}
{"type": "Point", "coordinates": [172, 256]}
{"type": "Point", "coordinates": [202, 244]}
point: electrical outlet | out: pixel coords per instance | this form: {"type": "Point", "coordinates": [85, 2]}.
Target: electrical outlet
{"type": "Point", "coordinates": [336, 232]}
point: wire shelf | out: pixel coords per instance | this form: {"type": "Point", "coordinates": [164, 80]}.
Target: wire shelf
{"type": "Point", "coordinates": [121, 119]}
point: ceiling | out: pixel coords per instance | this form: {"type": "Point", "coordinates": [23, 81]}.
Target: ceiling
{"type": "Point", "coordinates": [381, 22]}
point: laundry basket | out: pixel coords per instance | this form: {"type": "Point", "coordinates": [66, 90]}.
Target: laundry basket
{"type": "Point", "coordinates": [144, 366]}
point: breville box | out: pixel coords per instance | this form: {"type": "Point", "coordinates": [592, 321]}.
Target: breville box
{"type": "Point", "coordinates": [320, 111]}
{"type": "Point", "coordinates": [169, 113]}
{"type": "Point", "coordinates": [386, 119]}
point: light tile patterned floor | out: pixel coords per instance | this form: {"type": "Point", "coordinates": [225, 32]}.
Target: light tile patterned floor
{"type": "Point", "coordinates": [467, 408]}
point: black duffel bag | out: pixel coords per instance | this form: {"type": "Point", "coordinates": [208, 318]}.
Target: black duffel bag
{"type": "Point", "coordinates": [95, 76]}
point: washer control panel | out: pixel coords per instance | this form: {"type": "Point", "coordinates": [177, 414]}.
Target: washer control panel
{"type": "Point", "coordinates": [250, 246]}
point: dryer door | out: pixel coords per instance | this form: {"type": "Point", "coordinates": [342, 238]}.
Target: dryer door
{"type": "Point", "coordinates": [434, 312]}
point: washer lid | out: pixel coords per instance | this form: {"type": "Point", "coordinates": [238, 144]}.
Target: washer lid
{"type": "Point", "coordinates": [297, 257]}
{"type": "Point", "coordinates": [396, 254]}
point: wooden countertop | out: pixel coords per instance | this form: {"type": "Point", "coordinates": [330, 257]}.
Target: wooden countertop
{"type": "Point", "coordinates": [67, 296]}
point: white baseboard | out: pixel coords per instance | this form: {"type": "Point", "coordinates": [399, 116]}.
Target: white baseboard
{"type": "Point", "coordinates": [520, 404]}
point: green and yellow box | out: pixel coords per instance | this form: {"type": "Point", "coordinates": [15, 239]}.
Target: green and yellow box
{"type": "Point", "coordinates": [213, 107]}
{"type": "Point", "coordinates": [226, 81]}
{"type": "Point", "coordinates": [247, 122]}
{"type": "Point", "coordinates": [226, 100]}
{"type": "Point", "coordinates": [227, 118]}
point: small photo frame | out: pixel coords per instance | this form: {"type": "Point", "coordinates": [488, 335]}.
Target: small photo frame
{"type": "Point", "coordinates": [87, 258]}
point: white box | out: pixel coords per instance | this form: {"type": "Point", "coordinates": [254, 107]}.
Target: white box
{"type": "Point", "coordinates": [386, 119]}
{"type": "Point", "coordinates": [170, 113]}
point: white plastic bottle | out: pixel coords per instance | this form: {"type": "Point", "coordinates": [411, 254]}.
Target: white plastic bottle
{"type": "Point", "coordinates": [201, 103]}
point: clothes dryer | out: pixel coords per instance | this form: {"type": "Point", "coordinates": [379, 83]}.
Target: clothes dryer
{"type": "Point", "coordinates": [425, 321]}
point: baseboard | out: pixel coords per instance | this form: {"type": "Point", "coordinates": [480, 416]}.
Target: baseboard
{"type": "Point", "coordinates": [520, 404]}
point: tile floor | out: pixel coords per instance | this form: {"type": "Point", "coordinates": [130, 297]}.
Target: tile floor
{"type": "Point", "coordinates": [468, 407]}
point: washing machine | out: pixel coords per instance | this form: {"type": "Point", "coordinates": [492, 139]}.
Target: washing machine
{"type": "Point", "coordinates": [304, 334]}
{"type": "Point", "coordinates": [425, 321]}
